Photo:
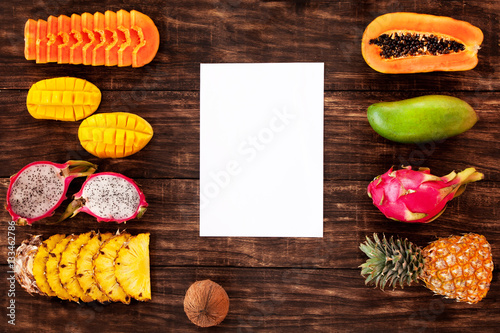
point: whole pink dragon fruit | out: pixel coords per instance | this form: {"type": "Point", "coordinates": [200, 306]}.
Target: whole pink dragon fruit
{"type": "Point", "coordinates": [40, 187]}
{"type": "Point", "coordinates": [417, 196]}
{"type": "Point", "coordinates": [108, 196]}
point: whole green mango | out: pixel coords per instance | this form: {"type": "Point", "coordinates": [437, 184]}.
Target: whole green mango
{"type": "Point", "coordinates": [421, 119]}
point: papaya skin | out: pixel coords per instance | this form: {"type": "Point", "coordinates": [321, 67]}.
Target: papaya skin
{"type": "Point", "coordinates": [421, 119]}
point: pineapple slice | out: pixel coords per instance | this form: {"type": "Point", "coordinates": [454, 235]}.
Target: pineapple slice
{"type": "Point", "coordinates": [40, 263]}
{"type": "Point", "coordinates": [104, 268]}
{"type": "Point", "coordinates": [67, 267]}
{"type": "Point", "coordinates": [85, 267]}
{"type": "Point", "coordinates": [132, 267]}
{"type": "Point", "coordinates": [52, 269]}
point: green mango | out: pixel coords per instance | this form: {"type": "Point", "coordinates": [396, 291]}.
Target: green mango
{"type": "Point", "coordinates": [421, 119]}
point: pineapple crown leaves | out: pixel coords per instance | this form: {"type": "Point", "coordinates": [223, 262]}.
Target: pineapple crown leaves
{"type": "Point", "coordinates": [391, 262]}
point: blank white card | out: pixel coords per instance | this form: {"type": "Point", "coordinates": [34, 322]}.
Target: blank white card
{"type": "Point", "coordinates": [261, 150]}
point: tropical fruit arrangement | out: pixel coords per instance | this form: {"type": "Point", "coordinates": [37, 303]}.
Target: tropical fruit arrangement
{"type": "Point", "coordinates": [87, 267]}
{"type": "Point", "coordinates": [111, 39]}
{"type": "Point", "coordinates": [39, 188]}
{"type": "Point", "coordinates": [415, 43]}
{"type": "Point", "coordinates": [457, 267]}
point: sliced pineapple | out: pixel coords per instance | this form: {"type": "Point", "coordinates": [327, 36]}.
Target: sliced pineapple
{"type": "Point", "coordinates": [85, 267]}
{"type": "Point", "coordinates": [132, 267]}
{"type": "Point", "coordinates": [104, 268]}
{"type": "Point", "coordinates": [67, 267]}
{"type": "Point", "coordinates": [52, 269]}
{"type": "Point", "coordinates": [40, 263]}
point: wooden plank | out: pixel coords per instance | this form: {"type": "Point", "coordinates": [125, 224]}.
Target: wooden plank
{"type": "Point", "coordinates": [265, 300]}
{"type": "Point", "coordinates": [208, 31]}
{"type": "Point", "coordinates": [353, 151]}
{"type": "Point", "coordinates": [349, 216]}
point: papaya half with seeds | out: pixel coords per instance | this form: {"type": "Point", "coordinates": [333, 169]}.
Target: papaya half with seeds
{"type": "Point", "coordinates": [111, 39]}
{"type": "Point", "coordinates": [421, 119]}
{"type": "Point", "coordinates": [415, 43]}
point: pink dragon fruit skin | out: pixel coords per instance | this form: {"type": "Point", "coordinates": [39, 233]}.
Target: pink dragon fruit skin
{"type": "Point", "coordinates": [50, 181]}
{"type": "Point", "coordinates": [417, 196]}
{"type": "Point", "coordinates": [109, 197]}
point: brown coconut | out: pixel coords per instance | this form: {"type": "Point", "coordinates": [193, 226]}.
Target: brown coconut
{"type": "Point", "coordinates": [206, 303]}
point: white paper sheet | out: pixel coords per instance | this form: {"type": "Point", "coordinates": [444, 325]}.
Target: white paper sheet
{"type": "Point", "coordinates": [261, 153]}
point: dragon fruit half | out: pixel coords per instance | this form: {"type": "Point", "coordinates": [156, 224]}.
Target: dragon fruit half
{"type": "Point", "coordinates": [108, 196]}
{"type": "Point", "coordinates": [417, 196]}
{"type": "Point", "coordinates": [40, 187]}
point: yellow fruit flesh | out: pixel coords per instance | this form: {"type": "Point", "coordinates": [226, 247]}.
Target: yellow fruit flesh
{"type": "Point", "coordinates": [459, 267]}
{"type": "Point", "coordinates": [85, 267]}
{"type": "Point", "coordinates": [63, 98]}
{"type": "Point", "coordinates": [104, 269]}
{"type": "Point", "coordinates": [40, 263]}
{"type": "Point", "coordinates": [132, 267]}
{"type": "Point", "coordinates": [52, 269]}
{"type": "Point", "coordinates": [67, 267]}
{"type": "Point", "coordinates": [114, 135]}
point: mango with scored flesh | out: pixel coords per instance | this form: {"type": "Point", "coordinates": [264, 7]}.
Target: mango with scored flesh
{"type": "Point", "coordinates": [421, 119]}
{"type": "Point", "coordinates": [63, 98]}
{"type": "Point", "coordinates": [114, 135]}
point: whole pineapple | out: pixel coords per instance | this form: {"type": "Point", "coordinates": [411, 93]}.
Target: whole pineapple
{"type": "Point", "coordinates": [458, 267]}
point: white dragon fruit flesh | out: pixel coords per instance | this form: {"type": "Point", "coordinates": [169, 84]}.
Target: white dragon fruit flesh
{"type": "Point", "coordinates": [108, 196]}
{"type": "Point", "coordinates": [417, 196]}
{"type": "Point", "coordinates": [40, 187]}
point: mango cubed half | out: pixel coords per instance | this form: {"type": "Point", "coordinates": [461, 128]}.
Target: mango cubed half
{"type": "Point", "coordinates": [114, 135]}
{"type": "Point", "coordinates": [63, 98]}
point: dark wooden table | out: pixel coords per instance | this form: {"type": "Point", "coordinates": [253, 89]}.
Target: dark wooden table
{"type": "Point", "coordinates": [275, 284]}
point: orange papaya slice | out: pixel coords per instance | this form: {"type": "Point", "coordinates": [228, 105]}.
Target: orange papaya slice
{"type": "Point", "coordinates": [149, 39]}
{"type": "Point", "coordinates": [88, 37]}
{"type": "Point", "coordinates": [131, 39]}
{"type": "Point", "coordinates": [41, 42]}
{"type": "Point", "coordinates": [54, 40]}
{"type": "Point", "coordinates": [76, 37]}
{"type": "Point", "coordinates": [99, 51]}
{"type": "Point", "coordinates": [111, 50]}
{"type": "Point", "coordinates": [114, 135]}
{"type": "Point", "coordinates": [30, 39]}
{"type": "Point", "coordinates": [63, 31]}
{"type": "Point", "coordinates": [414, 43]}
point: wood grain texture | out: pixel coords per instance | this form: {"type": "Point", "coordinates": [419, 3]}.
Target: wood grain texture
{"type": "Point", "coordinates": [274, 284]}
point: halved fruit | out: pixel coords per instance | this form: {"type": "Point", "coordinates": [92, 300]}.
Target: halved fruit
{"type": "Point", "coordinates": [67, 267]}
{"type": "Point", "coordinates": [40, 263]}
{"type": "Point", "coordinates": [85, 267]}
{"type": "Point", "coordinates": [412, 43]}
{"type": "Point", "coordinates": [132, 267]}
{"type": "Point", "coordinates": [52, 269]}
{"type": "Point", "coordinates": [104, 268]}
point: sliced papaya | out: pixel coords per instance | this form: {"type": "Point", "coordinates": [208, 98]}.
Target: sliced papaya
{"type": "Point", "coordinates": [99, 51]}
{"type": "Point", "coordinates": [114, 38]}
{"type": "Point", "coordinates": [112, 46]}
{"type": "Point", "coordinates": [75, 50]}
{"type": "Point", "coordinates": [30, 40]}
{"type": "Point", "coordinates": [114, 135]}
{"type": "Point", "coordinates": [89, 38]}
{"type": "Point", "coordinates": [413, 43]}
{"type": "Point", "coordinates": [64, 29]}
{"type": "Point", "coordinates": [149, 39]}
{"type": "Point", "coordinates": [41, 42]}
